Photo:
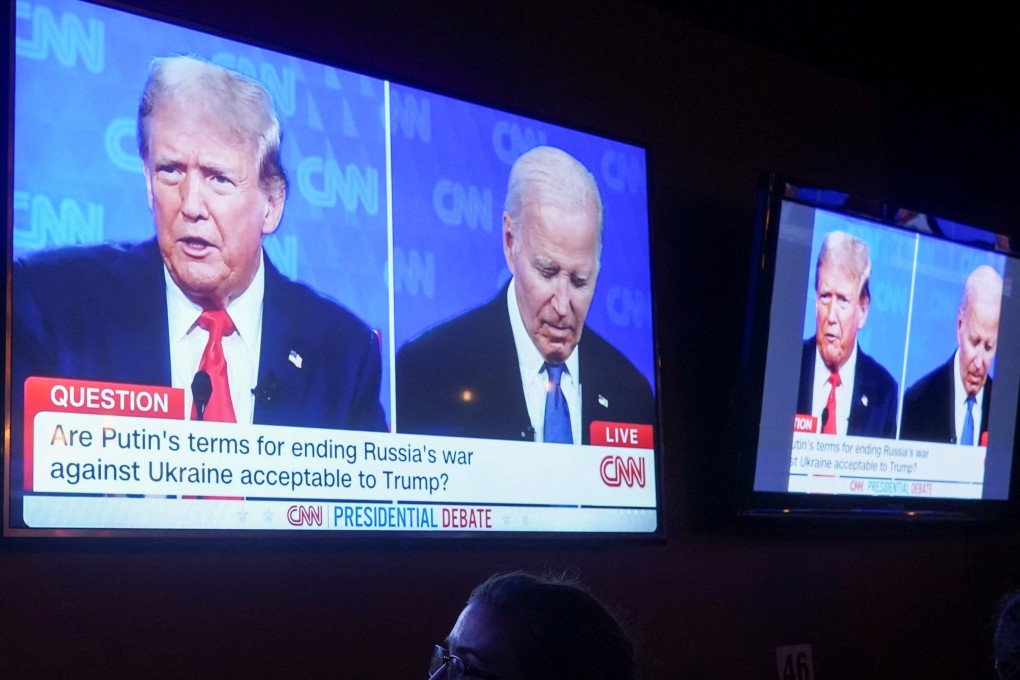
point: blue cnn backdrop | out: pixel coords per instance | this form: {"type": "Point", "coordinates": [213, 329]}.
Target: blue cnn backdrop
{"type": "Point", "coordinates": [78, 175]}
{"type": "Point", "coordinates": [916, 287]}
{"type": "Point", "coordinates": [435, 191]}
{"type": "Point", "coordinates": [451, 163]}
{"type": "Point", "coordinates": [942, 270]}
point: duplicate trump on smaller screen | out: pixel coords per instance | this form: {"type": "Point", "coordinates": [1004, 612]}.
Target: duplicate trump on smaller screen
{"type": "Point", "coordinates": [848, 391]}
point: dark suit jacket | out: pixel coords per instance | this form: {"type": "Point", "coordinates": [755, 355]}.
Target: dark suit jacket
{"type": "Point", "coordinates": [100, 313]}
{"type": "Point", "coordinates": [475, 352]}
{"type": "Point", "coordinates": [872, 384]}
{"type": "Point", "coordinates": [929, 414]}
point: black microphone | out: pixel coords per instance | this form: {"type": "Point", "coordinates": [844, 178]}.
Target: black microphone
{"type": "Point", "coordinates": [201, 390]}
{"type": "Point", "coordinates": [267, 390]}
{"type": "Point", "coordinates": [825, 417]}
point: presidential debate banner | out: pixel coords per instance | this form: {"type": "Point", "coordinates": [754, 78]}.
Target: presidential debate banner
{"type": "Point", "coordinates": [107, 455]}
{"type": "Point", "coordinates": [194, 347]}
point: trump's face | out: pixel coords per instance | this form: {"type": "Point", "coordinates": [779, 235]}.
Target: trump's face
{"type": "Point", "coordinates": [210, 210]}
{"type": "Point", "coordinates": [840, 312]}
{"type": "Point", "coordinates": [554, 260]}
{"type": "Point", "coordinates": [977, 331]}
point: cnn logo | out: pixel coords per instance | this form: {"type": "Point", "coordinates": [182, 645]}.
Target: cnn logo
{"type": "Point", "coordinates": [619, 471]}
{"type": "Point", "coordinates": [305, 515]}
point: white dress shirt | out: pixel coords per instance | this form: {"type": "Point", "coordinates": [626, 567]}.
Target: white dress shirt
{"type": "Point", "coordinates": [844, 393]}
{"type": "Point", "coordinates": [534, 379]}
{"type": "Point", "coordinates": [241, 348]}
{"type": "Point", "coordinates": [960, 404]}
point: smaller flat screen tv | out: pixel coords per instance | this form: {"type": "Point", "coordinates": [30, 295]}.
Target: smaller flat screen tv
{"type": "Point", "coordinates": [881, 365]}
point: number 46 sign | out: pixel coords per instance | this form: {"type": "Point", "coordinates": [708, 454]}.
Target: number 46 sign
{"type": "Point", "coordinates": [794, 663]}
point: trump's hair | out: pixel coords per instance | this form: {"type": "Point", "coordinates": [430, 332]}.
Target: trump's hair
{"type": "Point", "coordinates": [850, 253]}
{"type": "Point", "coordinates": [562, 631]}
{"type": "Point", "coordinates": [242, 104]}
{"type": "Point", "coordinates": [983, 285]}
{"type": "Point", "coordinates": [549, 176]}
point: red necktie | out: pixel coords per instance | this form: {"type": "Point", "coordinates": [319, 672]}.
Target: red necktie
{"type": "Point", "coordinates": [220, 407]}
{"type": "Point", "coordinates": [830, 406]}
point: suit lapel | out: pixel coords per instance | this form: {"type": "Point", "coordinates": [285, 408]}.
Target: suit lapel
{"type": "Point", "coordinates": [139, 320]}
{"type": "Point", "coordinates": [805, 388]}
{"type": "Point", "coordinates": [948, 377]}
{"type": "Point", "coordinates": [283, 376]}
{"type": "Point", "coordinates": [511, 414]}
{"type": "Point", "coordinates": [860, 400]}
{"type": "Point", "coordinates": [986, 406]}
{"type": "Point", "coordinates": [597, 398]}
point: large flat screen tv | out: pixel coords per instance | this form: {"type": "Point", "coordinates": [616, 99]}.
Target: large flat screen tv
{"type": "Point", "coordinates": [875, 337]}
{"type": "Point", "coordinates": [413, 314]}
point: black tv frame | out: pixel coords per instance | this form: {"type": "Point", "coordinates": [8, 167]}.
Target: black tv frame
{"type": "Point", "coordinates": [811, 508]}
{"type": "Point", "coordinates": [389, 538]}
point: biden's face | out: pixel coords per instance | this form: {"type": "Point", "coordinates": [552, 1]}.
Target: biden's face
{"type": "Point", "coordinates": [840, 312]}
{"type": "Point", "coordinates": [977, 331]}
{"type": "Point", "coordinates": [210, 210]}
{"type": "Point", "coordinates": [555, 268]}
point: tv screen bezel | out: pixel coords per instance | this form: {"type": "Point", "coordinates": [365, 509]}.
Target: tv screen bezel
{"type": "Point", "coordinates": [350, 537]}
{"type": "Point", "coordinates": [773, 189]}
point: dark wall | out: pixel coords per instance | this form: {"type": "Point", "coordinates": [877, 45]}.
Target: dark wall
{"type": "Point", "coordinates": [717, 597]}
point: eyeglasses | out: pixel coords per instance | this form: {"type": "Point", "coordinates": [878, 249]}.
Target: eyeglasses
{"type": "Point", "coordinates": [456, 669]}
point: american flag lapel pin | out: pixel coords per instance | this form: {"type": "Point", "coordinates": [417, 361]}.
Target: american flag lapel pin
{"type": "Point", "coordinates": [864, 400]}
{"type": "Point", "coordinates": [294, 358]}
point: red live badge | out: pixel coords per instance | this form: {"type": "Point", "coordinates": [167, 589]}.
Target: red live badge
{"type": "Point", "coordinates": [627, 435]}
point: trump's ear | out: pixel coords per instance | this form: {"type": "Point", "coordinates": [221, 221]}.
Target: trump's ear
{"type": "Point", "coordinates": [148, 182]}
{"type": "Point", "coordinates": [508, 241]}
{"type": "Point", "coordinates": [865, 303]}
{"type": "Point", "coordinates": [274, 211]}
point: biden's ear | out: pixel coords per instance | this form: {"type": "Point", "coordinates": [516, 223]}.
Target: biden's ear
{"type": "Point", "coordinates": [274, 211]}
{"type": "Point", "coordinates": [508, 241]}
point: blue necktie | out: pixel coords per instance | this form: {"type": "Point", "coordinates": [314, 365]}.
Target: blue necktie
{"type": "Point", "coordinates": [968, 424]}
{"type": "Point", "coordinates": [557, 415]}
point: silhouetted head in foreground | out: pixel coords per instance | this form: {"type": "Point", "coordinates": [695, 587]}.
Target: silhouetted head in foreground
{"type": "Point", "coordinates": [518, 626]}
{"type": "Point", "coordinates": [1007, 638]}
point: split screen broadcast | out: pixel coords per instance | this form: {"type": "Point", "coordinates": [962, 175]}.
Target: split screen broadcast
{"type": "Point", "coordinates": [254, 292]}
{"type": "Point", "coordinates": [883, 352]}
{"type": "Point", "coordinates": [250, 291]}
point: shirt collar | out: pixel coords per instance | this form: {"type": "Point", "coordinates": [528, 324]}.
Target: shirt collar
{"type": "Point", "coordinates": [529, 359]}
{"type": "Point", "coordinates": [959, 390]}
{"type": "Point", "coordinates": [245, 310]}
{"type": "Point", "coordinates": [822, 371]}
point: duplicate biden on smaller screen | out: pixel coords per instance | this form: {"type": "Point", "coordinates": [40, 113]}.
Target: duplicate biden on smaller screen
{"type": "Point", "coordinates": [951, 403]}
